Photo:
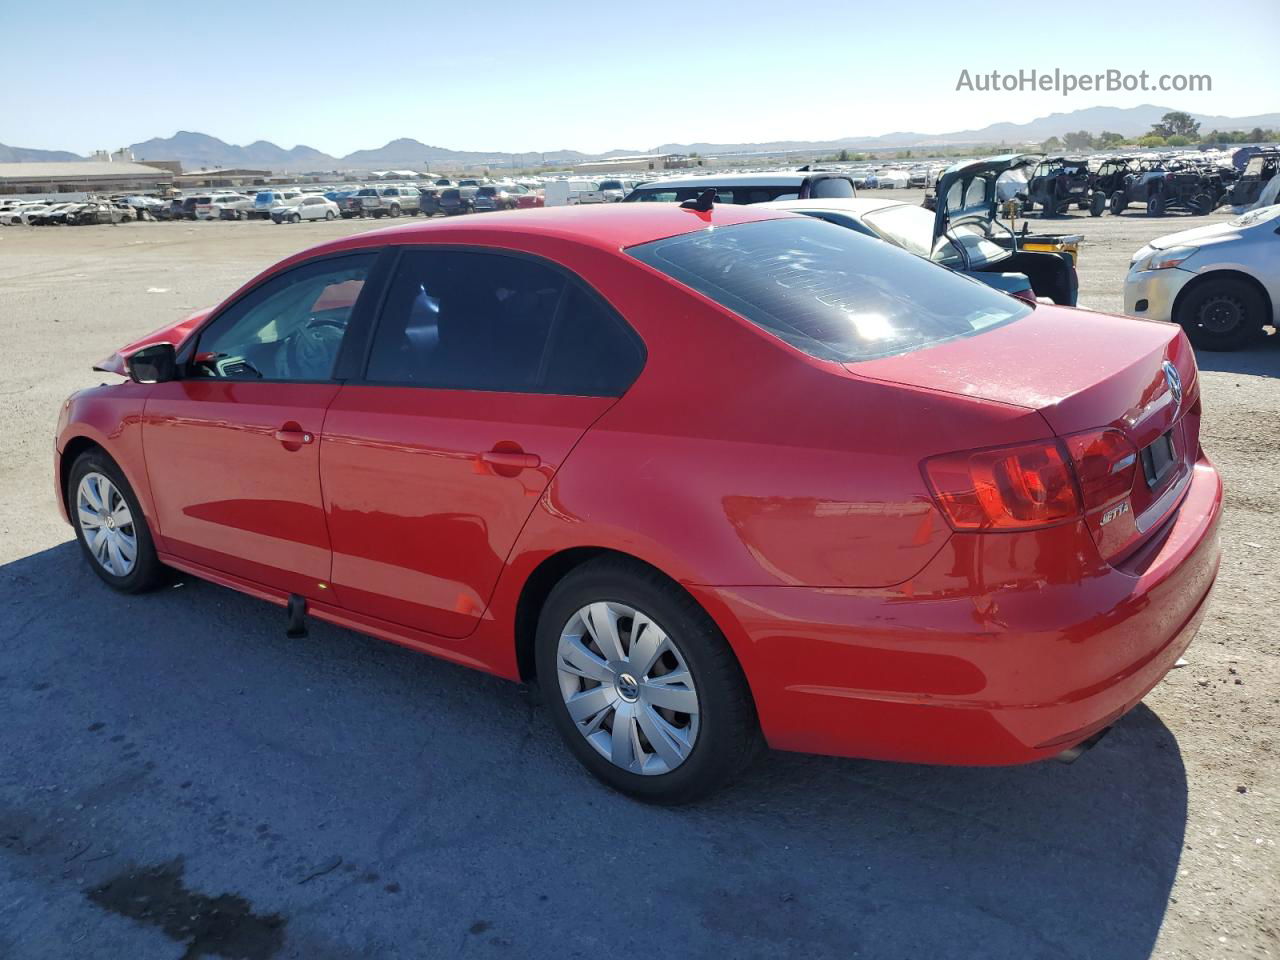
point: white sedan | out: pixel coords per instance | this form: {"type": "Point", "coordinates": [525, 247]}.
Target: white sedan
{"type": "Point", "coordinates": [307, 208]}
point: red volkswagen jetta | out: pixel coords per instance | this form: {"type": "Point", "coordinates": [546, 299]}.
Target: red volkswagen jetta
{"type": "Point", "coordinates": [712, 478]}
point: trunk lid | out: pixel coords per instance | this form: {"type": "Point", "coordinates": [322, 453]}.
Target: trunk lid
{"type": "Point", "coordinates": [1083, 371]}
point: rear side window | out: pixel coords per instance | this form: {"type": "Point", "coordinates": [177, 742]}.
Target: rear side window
{"type": "Point", "coordinates": [485, 321]}
{"type": "Point", "coordinates": [828, 291]}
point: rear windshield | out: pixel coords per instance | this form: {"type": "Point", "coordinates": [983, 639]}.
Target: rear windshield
{"type": "Point", "coordinates": [452, 194]}
{"type": "Point", "coordinates": [487, 192]}
{"type": "Point", "coordinates": [610, 184]}
{"type": "Point", "coordinates": [829, 291]}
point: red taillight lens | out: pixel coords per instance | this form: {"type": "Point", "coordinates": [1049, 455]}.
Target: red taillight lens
{"type": "Point", "coordinates": [1105, 463]}
{"type": "Point", "coordinates": [1011, 488]}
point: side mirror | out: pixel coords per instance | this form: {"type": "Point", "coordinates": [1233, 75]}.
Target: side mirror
{"type": "Point", "coordinates": [157, 363]}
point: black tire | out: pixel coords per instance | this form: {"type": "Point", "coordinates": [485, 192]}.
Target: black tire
{"type": "Point", "coordinates": [330, 215]}
{"type": "Point", "coordinates": [295, 218]}
{"type": "Point", "coordinates": [1097, 203]}
{"type": "Point", "coordinates": [1202, 204]}
{"type": "Point", "coordinates": [395, 210]}
{"type": "Point", "coordinates": [1050, 204]}
{"type": "Point", "coordinates": [1155, 205]}
{"type": "Point", "coordinates": [728, 738]}
{"type": "Point", "coordinates": [1118, 203]}
{"type": "Point", "coordinates": [147, 573]}
{"type": "Point", "coordinates": [1221, 314]}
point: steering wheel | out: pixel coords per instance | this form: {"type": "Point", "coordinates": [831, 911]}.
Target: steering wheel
{"type": "Point", "coordinates": [310, 351]}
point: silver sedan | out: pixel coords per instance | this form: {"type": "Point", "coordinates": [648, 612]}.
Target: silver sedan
{"type": "Point", "coordinates": [1220, 282]}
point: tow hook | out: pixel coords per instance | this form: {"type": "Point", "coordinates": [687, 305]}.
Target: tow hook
{"type": "Point", "coordinates": [297, 610]}
{"type": "Point", "coordinates": [1072, 754]}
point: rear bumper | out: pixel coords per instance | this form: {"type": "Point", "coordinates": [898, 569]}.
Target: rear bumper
{"type": "Point", "coordinates": [1150, 294]}
{"type": "Point", "coordinates": [955, 668]}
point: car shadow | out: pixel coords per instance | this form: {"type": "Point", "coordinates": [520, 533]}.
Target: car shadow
{"type": "Point", "coordinates": [369, 801]}
{"type": "Point", "coordinates": [1259, 359]}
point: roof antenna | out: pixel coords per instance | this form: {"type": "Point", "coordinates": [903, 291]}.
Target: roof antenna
{"type": "Point", "coordinates": [702, 202]}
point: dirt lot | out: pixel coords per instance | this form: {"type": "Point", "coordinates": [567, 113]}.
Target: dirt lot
{"type": "Point", "coordinates": [178, 776]}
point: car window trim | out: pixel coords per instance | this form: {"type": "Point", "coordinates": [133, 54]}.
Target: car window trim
{"type": "Point", "coordinates": [361, 377]}
{"type": "Point", "coordinates": [191, 346]}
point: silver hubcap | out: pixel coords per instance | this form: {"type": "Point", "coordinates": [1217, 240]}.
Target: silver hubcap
{"type": "Point", "coordinates": [107, 524]}
{"type": "Point", "coordinates": [627, 688]}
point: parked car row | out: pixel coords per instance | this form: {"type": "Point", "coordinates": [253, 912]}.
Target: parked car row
{"type": "Point", "coordinates": [68, 213]}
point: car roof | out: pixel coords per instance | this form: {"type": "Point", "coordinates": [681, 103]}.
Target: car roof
{"type": "Point", "coordinates": [605, 226]}
{"type": "Point", "coordinates": [767, 178]}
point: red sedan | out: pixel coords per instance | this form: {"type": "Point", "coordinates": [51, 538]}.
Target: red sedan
{"type": "Point", "coordinates": [712, 478]}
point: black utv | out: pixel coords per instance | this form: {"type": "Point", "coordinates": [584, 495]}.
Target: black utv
{"type": "Point", "coordinates": [1163, 186]}
{"type": "Point", "coordinates": [1057, 183]}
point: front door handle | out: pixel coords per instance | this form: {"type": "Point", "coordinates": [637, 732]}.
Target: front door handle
{"type": "Point", "coordinates": [293, 437]}
{"type": "Point", "coordinates": [512, 460]}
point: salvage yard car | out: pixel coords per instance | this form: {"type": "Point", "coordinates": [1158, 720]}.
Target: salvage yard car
{"type": "Point", "coordinates": [744, 187]}
{"type": "Point", "coordinates": [388, 201]}
{"type": "Point", "coordinates": [1220, 282]}
{"type": "Point", "coordinates": [312, 207]}
{"type": "Point", "coordinates": [951, 526]}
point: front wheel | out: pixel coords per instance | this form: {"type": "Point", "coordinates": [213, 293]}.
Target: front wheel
{"type": "Point", "coordinates": [1220, 314]}
{"type": "Point", "coordinates": [295, 218]}
{"type": "Point", "coordinates": [110, 526]}
{"type": "Point", "coordinates": [395, 210]}
{"type": "Point", "coordinates": [1097, 203]}
{"type": "Point", "coordinates": [1155, 205]}
{"type": "Point", "coordinates": [1118, 203]}
{"type": "Point", "coordinates": [642, 686]}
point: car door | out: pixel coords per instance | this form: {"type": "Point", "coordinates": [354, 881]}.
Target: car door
{"type": "Point", "coordinates": [484, 370]}
{"type": "Point", "coordinates": [231, 447]}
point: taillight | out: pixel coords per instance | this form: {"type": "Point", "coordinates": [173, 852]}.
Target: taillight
{"type": "Point", "coordinates": [1010, 488]}
{"type": "Point", "coordinates": [1105, 463]}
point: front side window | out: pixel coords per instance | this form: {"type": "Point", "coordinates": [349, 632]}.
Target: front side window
{"type": "Point", "coordinates": [486, 321]}
{"type": "Point", "coordinates": [828, 291]}
{"type": "Point", "coordinates": [289, 328]}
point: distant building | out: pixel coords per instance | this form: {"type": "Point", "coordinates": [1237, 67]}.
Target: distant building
{"type": "Point", "coordinates": [82, 176]}
{"type": "Point", "coordinates": [641, 163]}
{"type": "Point", "coordinates": [230, 177]}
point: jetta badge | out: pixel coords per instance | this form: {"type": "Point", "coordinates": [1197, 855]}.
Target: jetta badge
{"type": "Point", "coordinates": [1174, 379]}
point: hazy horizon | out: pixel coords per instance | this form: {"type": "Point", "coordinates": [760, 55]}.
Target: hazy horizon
{"type": "Point", "coordinates": [541, 81]}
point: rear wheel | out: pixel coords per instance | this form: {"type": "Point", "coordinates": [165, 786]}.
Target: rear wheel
{"type": "Point", "coordinates": [641, 684]}
{"type": "Point", "coordinates": [1097, 203]}
{"type": "Point", "coordinates": [109, 525]}
{"type": "Point", "coordinates": [329, 215]}
{"type": "Point", "coordinates": [1202, 204]}
{"type": "Point", "coordinates": [1221, 314]}
{"type": "Point", "coordinates": [1118, 203]}
{"type": "Point", "coordinates": [395, 210]}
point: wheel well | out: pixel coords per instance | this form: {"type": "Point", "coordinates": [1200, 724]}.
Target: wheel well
{"type": "Point", "coordinates": [539, 586]}
{"type": "Point", "coordinates": [1235, 275]}
{"type": "Point", "coordinates": [70, 453]}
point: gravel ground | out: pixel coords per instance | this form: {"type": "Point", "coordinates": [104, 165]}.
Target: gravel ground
{"type": "Point", "coordinates": [181, 780]}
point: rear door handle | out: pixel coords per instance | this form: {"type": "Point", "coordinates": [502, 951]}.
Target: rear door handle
{"type": "Point", "coordinates": [512, 460]}
{"type": "Point", "coordinates": [294, 436]}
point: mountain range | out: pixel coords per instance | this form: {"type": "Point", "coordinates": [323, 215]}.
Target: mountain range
{"type": "Point", "coordinates": [201, 151]}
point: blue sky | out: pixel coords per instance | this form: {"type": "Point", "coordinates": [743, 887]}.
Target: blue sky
{"type": "Point", "coordinates": [515, 75]}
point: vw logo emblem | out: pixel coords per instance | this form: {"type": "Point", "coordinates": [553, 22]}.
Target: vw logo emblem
{"type": "Point", "coordinates": [1174, 380]}
{"type": "Point", "coordinates": [628, 688]}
